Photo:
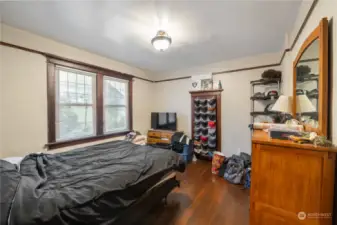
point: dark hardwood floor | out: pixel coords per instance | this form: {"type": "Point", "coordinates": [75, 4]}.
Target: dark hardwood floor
{"type": "Point", "coordinates": [202, 199]}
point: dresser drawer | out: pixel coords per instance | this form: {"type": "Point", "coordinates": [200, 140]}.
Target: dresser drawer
{"type": "Point", "coordinates": [158, 140]}
{"type": "Point", "coordinates": [166, 135]}
{"type": "Point", "coordinates": [154, 134]}
{"type": "Point", "coordinates": [152, 140]}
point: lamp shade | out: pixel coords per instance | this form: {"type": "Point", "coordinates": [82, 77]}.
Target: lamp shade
{"type": "Point", "coordinates": [303, 104]}
{"type": "Point", "coordinates": [283, 104]}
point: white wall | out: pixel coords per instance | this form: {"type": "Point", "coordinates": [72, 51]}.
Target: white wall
{"type": "Point", "coordinates": [249, 61]}
{"type": "Point", "coordinates": [0, 86]}
{"type": "Point", "coordinates": [324, 8]}
{"type": "Point", "coordinates": [23, 91]}
{"type": "Point", "coordinates": [174, 96]}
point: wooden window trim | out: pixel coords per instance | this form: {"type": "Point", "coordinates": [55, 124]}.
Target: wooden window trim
{"type": "Point", "coordinates": [51, 98]}
{"type": "Point", "coordinates": [66, 143]}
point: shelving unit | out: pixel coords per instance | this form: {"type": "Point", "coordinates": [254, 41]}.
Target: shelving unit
{"type": "Point", "coordinates": [212, 99]}
{"type": "Point", "coordinates": [264, 98]}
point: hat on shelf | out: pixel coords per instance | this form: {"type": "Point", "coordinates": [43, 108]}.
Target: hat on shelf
{"type": "Point", "coordinates": [302, 71]}
{"type": "Point", "coordinates": [203, 109]}
{"type": "Point", "coordinates": [211, 124]}
{"type": "Point", "coordinates": [210, 108]}
{"type": "Point", "coordinates": [196, 101]}
{"type": "Point", "coordinates": [212, 132]}
{"type": "Point", "coordinates": [204, 131]}
{"type": "Point", "coordinates": [212, 101]}
{"type": "Point", "coordinates": [204, 116]}
{"type": "Point", "coordinates": [212, 115]}
{"type": "Point", "coordinates": [313, 93]}
{"type": "Point", "coordinates": [271, 74]}
{"type": "Point", "coordinates": [204, 123]}
{"type": "Point", "coordinates": [204, 138]}
{"type": "Point", "coordinates": [203, 102]}
{"type": "Point", "coordinates": [272, 93]}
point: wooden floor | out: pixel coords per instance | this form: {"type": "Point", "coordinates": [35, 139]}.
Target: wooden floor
{"type": "Point", "coordinates": [202, 199]}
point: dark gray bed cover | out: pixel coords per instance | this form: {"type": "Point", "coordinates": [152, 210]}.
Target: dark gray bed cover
{"type": "Point", "coordinates": [82, 186]}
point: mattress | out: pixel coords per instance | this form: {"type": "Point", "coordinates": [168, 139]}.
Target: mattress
{"type": "Point", "coordinates": [90, 185]}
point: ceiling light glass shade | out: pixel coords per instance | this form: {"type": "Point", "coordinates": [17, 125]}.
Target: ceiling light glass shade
{"type": "Point", "coordinates": [161, 41]}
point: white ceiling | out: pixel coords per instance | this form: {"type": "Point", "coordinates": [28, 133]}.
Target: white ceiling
{"type": "Point", "coordinates": [202, 31]}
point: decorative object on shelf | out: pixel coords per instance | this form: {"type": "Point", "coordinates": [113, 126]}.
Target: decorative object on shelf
{"type": "Point", "coordinates": [197, 81]}
{"type": "Point", "coordinates": [161, 41]}
{"type": "Point", "coordinates": [219, 85]}
{"type": "Point", "coordinates": [207, 122]}
{"type": "Point", "coordinates": [271, 74]}
{"type": "Point", "coordinates": [207, 84]}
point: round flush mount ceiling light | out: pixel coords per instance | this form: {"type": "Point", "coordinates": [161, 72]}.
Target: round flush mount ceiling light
{"type": "Point", "coordinates": [161, 41]}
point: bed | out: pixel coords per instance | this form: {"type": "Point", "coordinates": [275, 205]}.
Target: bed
{"type": "Point", "coordinates": [101, 184]}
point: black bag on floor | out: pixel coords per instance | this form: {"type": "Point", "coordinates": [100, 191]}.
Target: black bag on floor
{"type": "Point", "coordinates": [178, 141]}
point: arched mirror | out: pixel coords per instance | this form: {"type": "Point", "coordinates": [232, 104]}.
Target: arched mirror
{"type": "Point", "coordinates": [310, 91]}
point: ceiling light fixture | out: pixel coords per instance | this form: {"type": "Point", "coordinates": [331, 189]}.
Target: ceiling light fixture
{"type": "Point", "coordinates": [161, 41]}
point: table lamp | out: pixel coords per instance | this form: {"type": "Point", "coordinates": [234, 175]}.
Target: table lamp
{"type": "Point", "coordinates": [303, 104]}
{"type": "Point", "coordinates": [283, 105]}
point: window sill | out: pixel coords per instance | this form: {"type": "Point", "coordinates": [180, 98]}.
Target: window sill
{"type": "Point", "coordinates": [61, 144]}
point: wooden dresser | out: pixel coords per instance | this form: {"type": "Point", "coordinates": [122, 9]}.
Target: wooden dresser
{"type": "Point", "coordinates": [159, 136]}
{"type": "Point", "coordinates": [291, 181]}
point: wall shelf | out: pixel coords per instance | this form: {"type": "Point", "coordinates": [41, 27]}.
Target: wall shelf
{"type": "Point", "coordinates": [263, 113]}
{"type": "Point", "coordinates": [263, 98]}
{"type": "Point", "coordinates": [206, 91]}
{"type": "Point", "coordinates": [265, 82]}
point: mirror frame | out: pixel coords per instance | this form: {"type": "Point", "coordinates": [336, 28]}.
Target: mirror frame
{"type": "Point", "coordinates": [321, 33]}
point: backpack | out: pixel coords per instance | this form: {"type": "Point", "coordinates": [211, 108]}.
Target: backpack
{"type": "Point", "coordinates": [235, 168]}
{"type": "Point", "coordinates": [178, 141]}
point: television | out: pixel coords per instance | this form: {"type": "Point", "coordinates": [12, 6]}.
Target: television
{"type": "Point", "coordinates": [164, 121]}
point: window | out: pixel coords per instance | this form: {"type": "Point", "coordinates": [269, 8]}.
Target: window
{"type": "Point", "coordinates": [86, 103]}
{"type": "Point", "coordinates": [115, 104]}
{"type": "Point", "coordinates": [75, 101]}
